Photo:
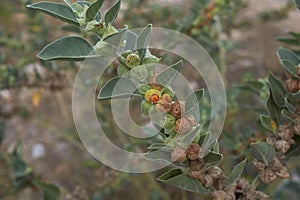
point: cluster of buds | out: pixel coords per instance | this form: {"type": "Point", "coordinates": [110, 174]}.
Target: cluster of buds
{"type": "Point", "coordinates": [242, 190]}
{"type": "Point", "coordinates": [275, 169]}
{"type": "Point", "coordinates": [293, 84]}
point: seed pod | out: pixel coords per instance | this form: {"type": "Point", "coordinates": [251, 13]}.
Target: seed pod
{"type": "Point", "coordinates": [192, 120]}
{"type": "Point", "coordinates": [193, 151]}
{"type": "Point", "coordinates": [267, 176]}
{"type": "Point", "coordinates": [292, 85]}
{"type": "Point", "coordinates": [132, 60]}
{"type": "Point", "coordinates": [275, 165]}
{"type": "Point", "coordinates": [169, 121]}
{"type": "Point", "coordinates": [182, 125]}
{"type": "Point", "coordinates": [260, 166]}
{"type": "Point", "coordinates": [283, 173]}
{"type": "Point", "coordinates": [196, 165]}
{"type": "Point", "coordinates": [177, 110]}
{"type": "Point", "coordinates": [152, 95]}
{"type": "Point", "coordinates": [215, 172]}
{"type": "Point", "coordinates": [206, 180]}
{"type": "Point", "coordinates": [261, 196]}
{"type": "Point", "coordinates": [218, 195]}
{"type": "Point", "coordinates": [178, 154]}
{"type": "Point", "coordinates": [285, 132]}
{"type": "Point", "coordinates": [195, 174]}
{"type": "Point", "coordinates": [271, 140]}
{"type": "Point", "coordinates": [282, 145]}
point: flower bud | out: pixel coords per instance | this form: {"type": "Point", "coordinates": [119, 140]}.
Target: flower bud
{"type": "Point", "coordinates": [152, 95]}
{"type": "Point", "coordinates": [285, 132]}
{"type": "Point", "coordinates": [177, 110]}
{"type": "Point", "coordinates": [195, 174]}
{"type": "Point", "coordinates": [196, 165]}
{"type": "Point", "coordinates": [260, 166]}
{"type": "Point", "coordinates": [132, 60]}
{"type": "Point", "coordinates": [206, 180]}
{"type": "Point", "coordinates": [192, 120]}
{"type": "Point", "coordinates": [296, 129]}
{"type": "Point", "coordinates": [282, 145]}
{"type": "Point", "coordinates": [178, 154]}
{"type": "Point", "coordinates": [275, 165]}
{"type": "Point", "coordinates": [283, 173]}
{"type": "Point", "coordinates": [169, 121]}
{"type": "Point", "coordinates": [292, 85]}
{"type": "Point", "coordinates": [219, 195]}
{"type": "Point", "coordinates": [215, 172]}
{"type": "Point", "coordinates": [193, 151]}
{"type": "Point", "coordinates": [267, 176]}
{"type": "Point", "coordinates": [182, 125]}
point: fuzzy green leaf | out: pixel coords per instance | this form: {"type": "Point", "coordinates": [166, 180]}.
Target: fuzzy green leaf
{"type": "Point", "coordinates": [287, 117]}
{"type": "Point", "coordinates": [268, 123]}
{"type": "Point", "coordinates": [69, 48]}
{"type": "Point", "coordinates": [193, 99]}
{"type": "Point", "coordinates": [112, 13]}
{"type": "Point", "coordinates": [167, 76]}
{"type": "Point", "coordinates": [294, 151]}
{"type": "Point", "coordinates": [278, 91]}
{"type": "Point", "coordinates": [212, 159]}
{"type": "Point", "coordinates": [235, 174]}
{"type": "Point", "coordinates": [176, 178]}
{"type": "Point", "coordinates": [56, 10]}
{"type": "Point", "coordinates": [288, 60]}
{"type": "Point", "coordinates": [125, 88]}
{"type": "Point", "coordinates": [263, 151]}
{"type": "Point", "coordinates": [143, 41]}
{"type": "Point", "coordinates": [93, 10]}
{"type": "Point", "coordinates": [273, 110]}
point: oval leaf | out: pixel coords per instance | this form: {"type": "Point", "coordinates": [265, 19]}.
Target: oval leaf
{"type": "Point", "coordinates": [288, 60]}
{"type": "Point", "coordinates": [263, 151]}
{"type": "Point", "coordinates": [167, 76]}
{"type": "Point", "coordinates": [212, 159]}
{"type": "Point", "coordinates": [278, 91]}
{"type": "Point", "coordinates": [268, 123]}
{"type": "Point", "coordinates": [72, 47]}
{"type": "Point", "coordinates": [143, 40]}
{"type": "Point", "coordinates": [125, 88]}
{"type": "Point", "coordinates": [50, 191]}
{"type": "Point", "coordinates": [112, 13]}
{"type": "Point", "coordinates": [176, 178]}
{"type": "Point", "coordinates": [287, 117]}
{"type": "Point", "coordinates": [56, 10]}
{"type": "Point", "coordinates": [235, 174]}
{"type": "Point", "coordinates": [93, 10]}
{"type": "Point", "coordinates": [193, 99]}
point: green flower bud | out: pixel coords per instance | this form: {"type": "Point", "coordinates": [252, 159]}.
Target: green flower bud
{"type": "Point", "coordinates": [143, 89]}
{"type": "Point", "coordinates": [139, 74]}
{"type": "Point", "coordinates": [104, 48]}
{"type": "Point", "coordinates": [147, 107]}
{"type": "Point", "coordinates": [121, 70]}
{"type": "Point", "coordinates": [169, 122]}
{"type": "Point", "coordinates": [132, 60]}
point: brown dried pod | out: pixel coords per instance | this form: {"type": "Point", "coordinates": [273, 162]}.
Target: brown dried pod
{"type": "Point", "coordinates": [178, 154]}
{"type": "Point", "coordinates": [195, 174]}
{"type": "Point", "coordinates": [267, 176]}
{"type": "Point", "coordinates": [196, 165]}
{"type": "Point", "coordinates": [206, 180]}
{"type": "Point", "coordinates": [275, 165]}
{"type": "Point", "coordinates": [283, 173]}
{"type": "Point", "coordinates": [292, 85]}
{"type": "Point", "coordinates": [182, 126]}
{"type": "Point", "coordinates": [164, 104]}
{"type": "Point", "coordinates": [193, 151]}
{"type": "Point", "coordinates": [261, 196]}
{"type": "Point", "coordinates": [271, 140]}
{"type": "Point", "coordinates": [177, 110]}
{"type": "Point", "coordinates": [260, 166]}
{"type": "Point", "coordinates": [218, 195]}
{"type": "Point", "coordinates": [285, 132]}
{"type": "Point", "coordinates": [282, 145]}
{"type": "Point", "coordinates": [296, 129]}
{"type": "Point", "coordinates": [215, 172]}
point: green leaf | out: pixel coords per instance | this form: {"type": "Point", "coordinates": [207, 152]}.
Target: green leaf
{"type": "Point", "coordinates": [294, 151]}
{"type": "Point", "coordinates": [20, 168]}
{"type": "Point", "coordinates": [176, 178]}
{"type": "Point", "coordinates": [295, 35]}
{"type": "Point", "coordinates": [297, 3]}
{"type": "Point", "coordinates": [193, 99]}
{"type": "Point", "coordinates": [70, 47]}
{"type": "Point", "coordinates": [273, 110]}
{"type": "Point", "coordinates": [291, 106]}
{"type": "Point", "coordinates": [56, 10]}
{"type": "Point", "coordinates": [50, 191]}
{"type": "Point", "coordinates": [167, 76]}
{"type": "Point", "coordinates": [93, 10]}
{"type": "Point", "coordinates": [268, 123]}
{"type": "Point", "coordinates": [131, 39]}
{"type": "Point", "coordinates": [71, 28]}
{"type": "Point", "coordinates": [156, 146]}
{"type": "Point", "coordinates": [112, 13]}
{"type": "Point", "coordinates": [288, 60]}
{"type": "Point", "coordinates": [212, 159]}
{"type": "Point", "coordinates": [125, 88]}
{"type": "Point", "coordinates": [143, 41]}
{"type": "Point", "coordinates": [278, 91]}
{"type": "Point", "coordinates": [287, 117]}
{"type": "Point", "coordinates": [235, 174]}
{"type": "Point", "coordinates": [288, 41]}
{"type": "Point", "coordinates": [263, 151]}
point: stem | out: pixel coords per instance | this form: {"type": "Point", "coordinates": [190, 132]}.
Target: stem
{"type": "Point", "coordinates": [255, 183]}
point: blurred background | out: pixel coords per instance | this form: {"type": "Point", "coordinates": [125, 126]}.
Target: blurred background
{"type": "Point", "coordinates": [38, 140]}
